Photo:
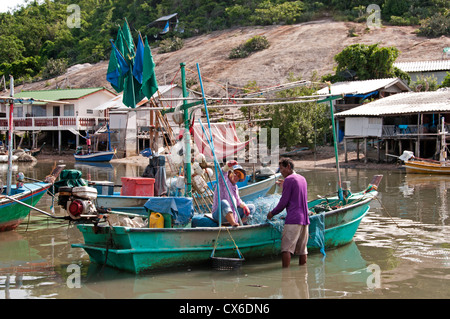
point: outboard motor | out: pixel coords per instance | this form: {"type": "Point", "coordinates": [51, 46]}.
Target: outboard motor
{"type": "Point", "coordinates": [78, 201]}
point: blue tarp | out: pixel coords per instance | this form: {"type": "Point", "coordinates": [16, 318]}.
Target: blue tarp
{"type": "Point", "coordinates": [181, 208]}
{"type": "Point", "coordinates": [317, 232]}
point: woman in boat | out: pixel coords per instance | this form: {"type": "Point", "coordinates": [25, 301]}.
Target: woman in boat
{"type": "Point", "coordinates": [294, 198]}
{"type": "Point", "coordinates": [232, 173]}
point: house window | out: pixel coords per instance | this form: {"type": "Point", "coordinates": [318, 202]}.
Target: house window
{"type": "Point", "coordinates": [69, 110]}
{"type": "Point", "coordinates": [38, 111]}
{"type": "Point", "coordinates": [18, 111]}
{"type": "Point", "coordinates": [56, 111]}
{"type": "Point", "coordinates": [90, 111]}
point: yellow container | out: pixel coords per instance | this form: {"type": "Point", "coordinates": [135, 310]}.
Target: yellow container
{"type": "Point", "coordinates": [156, 220]}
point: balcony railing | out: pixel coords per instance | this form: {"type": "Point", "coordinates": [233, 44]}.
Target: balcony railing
{"type": "Point", "coordinates": [54, 123]}
{"type": "Point", "coordinates": [410, 130]}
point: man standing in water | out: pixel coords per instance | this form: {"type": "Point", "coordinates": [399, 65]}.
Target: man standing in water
{"type": "Point", "coordinates": [294, 198]}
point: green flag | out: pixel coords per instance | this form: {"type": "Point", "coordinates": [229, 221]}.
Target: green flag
{"type": "Point", "coordinates": [128, 41]}
{"type": "Point", "coordinates": [149, 84]}
{"type": "Point", "coordinates": [117, 69]}
{"type": "Point", "coordinates": [132, 91]}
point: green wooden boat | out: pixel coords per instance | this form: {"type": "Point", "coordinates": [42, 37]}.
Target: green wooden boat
{"type": "Point", "coordinates": [12, 208]}
{"type": "Point", "coordinates": [143, 249]}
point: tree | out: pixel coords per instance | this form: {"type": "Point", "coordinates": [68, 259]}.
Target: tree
{"type": "Point", "coordinates": [299, 124]}
{"type": "Point", "coordinates": [446, 81]}
{"type": "Point", "coordinates": [365, 62]}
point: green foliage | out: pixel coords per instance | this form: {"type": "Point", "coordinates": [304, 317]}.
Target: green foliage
{"type": "Point", "coordinates": [170, 45]}
{"type": "Point", "coordinates": [257, 43]}
{"type": "Point", "coordinates": [446, 81]}
{"type": "Point", "coordinates": [300, 124]}
{"type": "Point", "coordinates": [436, 26]}
{"type": "Point", "coordinates": [425, 84]}
{"type": "Point", "coordinates": [368, 62]}
{"type": "Point", "coordinates": [276, 13]}
{"type": "Point", "coordinates": [38, 31]}
{"type": "Point", "coordinates": [54, 68]}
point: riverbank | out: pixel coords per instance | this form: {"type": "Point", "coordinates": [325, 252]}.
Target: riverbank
{"type": "Point", "coordinates": [322, 159]}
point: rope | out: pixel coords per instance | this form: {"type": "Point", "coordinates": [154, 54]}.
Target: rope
{"type": "Point", "coordinates": [392, 219]}
{"type": "Point", "coordinates": [232, 239]}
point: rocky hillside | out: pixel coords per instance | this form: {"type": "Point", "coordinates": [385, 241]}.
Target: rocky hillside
{"type": "Point", "coordinates": [300, 49]}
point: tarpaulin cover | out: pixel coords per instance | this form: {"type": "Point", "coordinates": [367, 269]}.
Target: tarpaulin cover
{"type": "Point", "coordinates": [226, 141]}
{"type": "Point", "coordinates": [71, 178]}
{"type": "Point", "coordinates": [317, 232]}
{"type": "Point", "coordinates": [181, 208]}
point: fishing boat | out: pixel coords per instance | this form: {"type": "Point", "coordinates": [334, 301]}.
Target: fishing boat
{"type": "Point", "coordinates": [103, 156]}
{"type": "Point", "coordinates": [418, 165]}
{"type": "Point", "coordinates": [97, 156]}
{"type": "Point", "coordinates": [168, 237]}
{"type": "Point", "coordinates": [142, 249]}
{"type": "Point", "coordinates": [16, 206]}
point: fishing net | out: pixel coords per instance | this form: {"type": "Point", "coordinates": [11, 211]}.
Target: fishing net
{"type": "Point", "coordinates": [263, 206]}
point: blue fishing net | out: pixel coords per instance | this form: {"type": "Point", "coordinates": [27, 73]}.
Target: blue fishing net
{"type": "Point", "coordinates": [263, 206]}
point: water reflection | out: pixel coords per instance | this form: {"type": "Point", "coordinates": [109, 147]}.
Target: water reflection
{"type": "Point", "coordinates": [405, 233]}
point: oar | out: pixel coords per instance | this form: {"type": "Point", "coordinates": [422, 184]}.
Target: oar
{"type": "Point", "coordinates": [36, 209]}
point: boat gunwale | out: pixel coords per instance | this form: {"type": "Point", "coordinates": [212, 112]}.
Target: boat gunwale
{"type": "Point", "coordinates": [40, 187]}
{"type": "Point", "coordinates": [359, 203]}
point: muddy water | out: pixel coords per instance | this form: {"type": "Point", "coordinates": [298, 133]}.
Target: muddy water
{"type": "Point", "coordinates": [401, 250]}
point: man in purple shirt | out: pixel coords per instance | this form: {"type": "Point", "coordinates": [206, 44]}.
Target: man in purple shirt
{"type": "Point", "coordinates": [294, 198]}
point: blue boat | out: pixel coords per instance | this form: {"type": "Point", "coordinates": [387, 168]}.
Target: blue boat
{"type": "Point", "coordinates": [104, 156]}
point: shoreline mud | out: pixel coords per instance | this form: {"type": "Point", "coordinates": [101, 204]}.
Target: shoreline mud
{"type": "Point", "coordinates": [322, 159]}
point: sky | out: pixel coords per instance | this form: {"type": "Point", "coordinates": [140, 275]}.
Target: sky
{"type": "Point", "coordinates": [5, 5]}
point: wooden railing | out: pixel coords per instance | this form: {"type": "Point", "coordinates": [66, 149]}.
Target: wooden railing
{"type": "Point", "coordinates": [54, 123]}
{"type": "Point", "coordinates": [409, 130]}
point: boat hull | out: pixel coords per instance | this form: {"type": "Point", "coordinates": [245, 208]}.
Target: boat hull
{"type": "Point", "coordinates": [95, 157]}
{"type": "Point", "coordinates": [142, 249]}
{"type": "Point", "coordinates": [422, 167]}
{"type": "Point", "coordinates": [12, 213]}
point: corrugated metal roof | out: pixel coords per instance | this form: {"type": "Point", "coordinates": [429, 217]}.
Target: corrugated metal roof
{"type": "Point", "coordinates": [404, 103]}
{"type": "Point", "coordinates": [55, 95]}
{"type": "Point", "coordinates": [362, 87]}
{"type": "Point", "coordinates": [422, 66]}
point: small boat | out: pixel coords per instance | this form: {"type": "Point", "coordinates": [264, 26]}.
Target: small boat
{"type": "Point", "coordinates": [4, 158]}
{"type": "Point", "coordinates": [36, 151]}
{"type": "Point", "coordinates": [104, 156]}
{"type": "Point", "coordinates": [426, 166]}
{"type": "Point", "coordinates": [12, 208]}
{"type": "Point", "coordinates": [418, 165]}
{"type": "Point", "coordinates": [98, 156]}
